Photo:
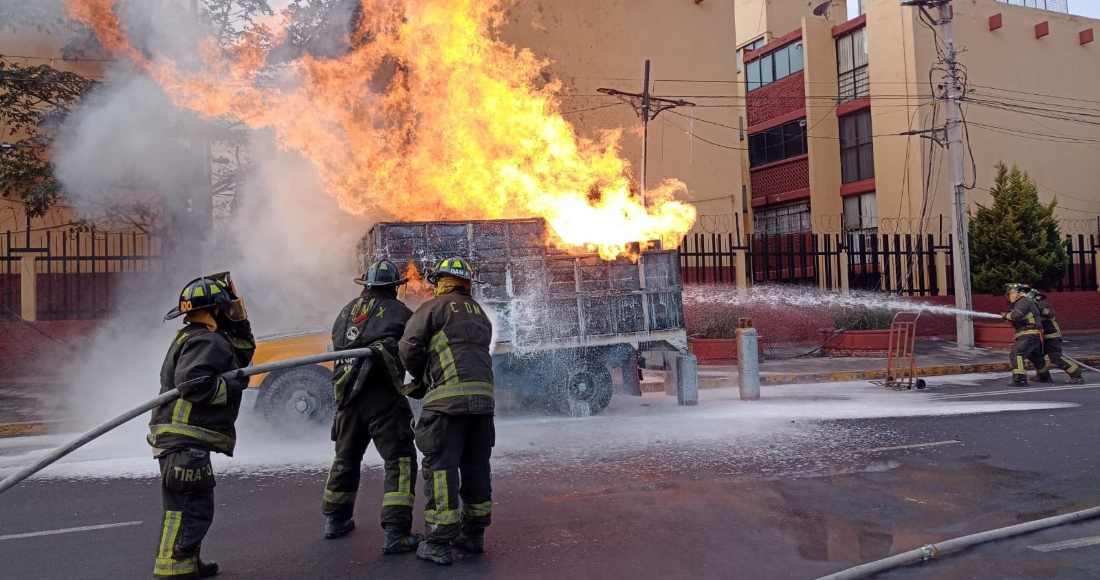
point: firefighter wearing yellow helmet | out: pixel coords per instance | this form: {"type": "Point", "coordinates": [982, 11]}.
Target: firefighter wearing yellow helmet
{"type": "Point", "coordinates": [1025, 318]}
{"type": "Point", "coordinates": [216, 339]}
{"type": "Point", "coordinates": [446, 349]}
{"type": "Point", "coordinates": [371, 407]}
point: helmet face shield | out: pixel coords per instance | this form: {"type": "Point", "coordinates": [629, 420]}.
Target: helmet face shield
{"type": "Point", "coordinates": [227, 279]}
{"type": "Point", "coordinates": [236, 310]}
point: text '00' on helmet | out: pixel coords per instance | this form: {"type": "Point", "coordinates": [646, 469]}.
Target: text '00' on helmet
{"type": "Point", "coordinates": [202, 294]}
{"type": "Point", "coordinates": [381, 273]}
{"type": "Point", "coordinates": [453, 266]}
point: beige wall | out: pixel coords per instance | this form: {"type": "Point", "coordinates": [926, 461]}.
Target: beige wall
{"type": "Point", "coordinates": [823, 129]}
{"type": "Point", "coordinates": [902, 50]}
{"type": "Point", "coordinates": [30, 48]}
{"type": "Point", "coordinates": [778, 17]}
{"type": "Point", "coordinates": [605, 44]}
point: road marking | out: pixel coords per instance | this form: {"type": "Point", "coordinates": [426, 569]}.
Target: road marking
{"type": "Point", "coordinates": [69, 530]}
{"type": "Point", "coordinates": [898, 447]}
{"type": "Point", "coordinates": [1068, 544]}
{"type": "Point", "coordinates": [1012, 392]}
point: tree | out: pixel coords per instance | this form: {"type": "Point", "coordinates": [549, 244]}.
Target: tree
{"type": "Point", "coordinates": [1016, 239]}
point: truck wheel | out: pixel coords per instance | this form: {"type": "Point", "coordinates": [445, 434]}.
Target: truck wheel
{"type": "Point", "coordinates": [299, 399]}
{"type": "Point", "coordinates": [585, 390]}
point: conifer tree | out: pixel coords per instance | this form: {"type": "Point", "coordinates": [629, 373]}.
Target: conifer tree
{"type": "Point", "coordinates": [1016, 238]}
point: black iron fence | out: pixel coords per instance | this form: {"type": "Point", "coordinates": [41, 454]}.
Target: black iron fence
{"type": "Point", "coordinates": [78, 275]}
{"type": "Point", "coordinates": [906, 264]}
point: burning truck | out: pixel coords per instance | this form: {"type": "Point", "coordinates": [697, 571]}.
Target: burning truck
{"type": "Point", "coordinates": [564, 317]}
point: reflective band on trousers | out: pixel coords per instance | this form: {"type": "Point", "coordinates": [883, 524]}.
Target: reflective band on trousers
{"type": "Point", "coordinates": [397, 498]}
{"type": "Point", "coordinates": [220, 442]}
{"type": "Point", "coordinates": [339, 497]}
{"type": "Point", "coordinates": [463, 389]}
{"type": "Point", "coordinates": [478, 510]}
{"type": "Point", "coordinates": [166, 565]}
{"type": "Point", "coordinates": [1026, 333]}
{"type": "Point", "coordinates": [441, 498]}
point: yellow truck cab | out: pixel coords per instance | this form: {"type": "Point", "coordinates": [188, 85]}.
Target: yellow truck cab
{"type": "Point", "coordinates": [298, 397]}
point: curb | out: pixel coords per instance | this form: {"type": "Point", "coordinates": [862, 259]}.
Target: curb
{"type": "Point", "coordinates": [25, 429]}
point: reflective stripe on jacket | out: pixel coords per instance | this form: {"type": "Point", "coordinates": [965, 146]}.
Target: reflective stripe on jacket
{"type": "Point", "coordinates": [204, 414]}
{"type": "Point", "coordinates": [1050, 323]}
{"type": "Point", "coordinates": [1025, 317]}
{"type": "Point", "coordinates": [446, 347]}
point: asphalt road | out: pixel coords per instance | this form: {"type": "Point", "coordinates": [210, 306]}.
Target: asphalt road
{"type": "Point", "coordinates": [749, 494]}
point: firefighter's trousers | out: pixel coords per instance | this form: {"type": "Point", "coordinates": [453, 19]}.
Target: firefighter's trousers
{"type": "Point", "coordinates": [390, 427]}
{"type": "Point", "coordinates": [1052, 348]}
{"type": "Point", "coordinates": [187, 491]}
{"type": "Point", "coordinates": [1028, 347]}
{"type": "Point", "coordinates": [456, 452]}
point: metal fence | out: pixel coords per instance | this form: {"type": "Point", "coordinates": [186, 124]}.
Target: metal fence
{"type": "Point", "coordinates": [905, 264]}
{"type": "Point", "coordinates": [1052, 5]}
{"type": "Point", "coordinates": [78, 275]}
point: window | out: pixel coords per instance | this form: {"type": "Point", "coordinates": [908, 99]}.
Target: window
{"type": "Point", "coordinates": [777, 143]}
{"type": "Point", "coordinates": [787, 219]}
{"type": "Point", "coordinates": [750, 46]}
{"type": "Point", "coordinates": [857, 154]}
{"type": "Point", "coordinates": [861, 213]}
{"type": "Point", "coordinates": [851, 56]}
{"type": "Point", "coordinates": [775, 65]}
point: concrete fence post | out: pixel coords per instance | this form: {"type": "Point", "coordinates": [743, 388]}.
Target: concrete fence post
{"type": "Point", "coordinates": [748, 360]}
{"type": "Point", "coordinates": [941, 272]}
{"type": "Point", "coordinates": [741, 269]}
{"type": "Point", "coordinates": [1096, 267]}
{"type": "Point", "coordinates": [845, 283]}
{"type": "Point", "coordinates": [28, 286]}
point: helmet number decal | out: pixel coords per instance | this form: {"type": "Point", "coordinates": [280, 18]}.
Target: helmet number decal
{"type": "Point", "coordinates": [185, 305]}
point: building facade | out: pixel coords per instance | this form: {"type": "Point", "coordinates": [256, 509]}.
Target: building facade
{"type": "Point", "coordinates": [844, 129]}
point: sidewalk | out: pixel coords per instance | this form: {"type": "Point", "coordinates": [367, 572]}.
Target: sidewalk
{"type": "Point", "coordinates": [786, 365]}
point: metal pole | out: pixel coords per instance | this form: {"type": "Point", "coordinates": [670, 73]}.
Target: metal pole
{"type": "Point", "coordinates": [645, 130]}
{"type": "Point", "coordinates": [961, 252]}
{"type": "Point", "coordinates": [748, 364]}
{"type": "Point", "coordinates": [167, 397]}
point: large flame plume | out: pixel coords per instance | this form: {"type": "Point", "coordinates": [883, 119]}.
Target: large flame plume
{"type": "Point", "coordinates": [431, 118]}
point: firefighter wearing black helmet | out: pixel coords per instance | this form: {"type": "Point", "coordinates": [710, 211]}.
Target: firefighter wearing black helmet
{"type": "Point", "coordinates": [371, 406]}
{"type": "Point", "coordinates": [446, 349]}
{"type": "Point", "coordinates": [216, 339]}
{"type": "Point", "coordinates": [1026, 320]}
{"type": "Point", "coordinates": [1052, 339]}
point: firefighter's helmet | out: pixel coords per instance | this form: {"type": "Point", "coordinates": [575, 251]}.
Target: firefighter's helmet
{"type": "Point", "coordinates": [1017, 287]}
{"type": "Point", "coordinates": [206, 293]}
{"type": "Point", "coordinates": [381, 273]}
{"type": "Point", "coordinates": [453, 266]}
{"type": "Point", "coordinates": [1037, 294]}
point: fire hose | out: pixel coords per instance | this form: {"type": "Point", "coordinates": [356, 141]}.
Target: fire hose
{"type": "Point", "coordinates": [1081, 364]}
{"type": "Point", "coordinates": [166, 397]}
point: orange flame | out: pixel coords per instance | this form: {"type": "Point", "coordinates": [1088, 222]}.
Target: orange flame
{"type": "Point", "coordinates": [460, 130]}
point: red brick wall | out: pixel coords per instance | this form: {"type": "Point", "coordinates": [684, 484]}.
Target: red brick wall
{"type": "Point", "coordinates": [782, 97]}
{"type": "Point", "coordinates": [26, 354]}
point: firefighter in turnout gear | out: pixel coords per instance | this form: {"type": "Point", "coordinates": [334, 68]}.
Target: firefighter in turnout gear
{"type": "Point", "coordinates": [1052, 339]}
{"type": "Point", "coordinates": [446, 349]}
{"type": "Point", "coordinates": [371, 406]}
{"type": "Point", "coordinates": [216, 339]}
{"type": "Point", "coordinates": [1025, 318]}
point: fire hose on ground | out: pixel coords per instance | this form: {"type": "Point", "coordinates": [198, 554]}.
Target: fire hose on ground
{"type": "Point", "coordinates": [169, 396]}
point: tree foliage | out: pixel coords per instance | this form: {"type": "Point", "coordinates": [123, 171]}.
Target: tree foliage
{"type": "Point", "coordinates": [1016, 239]}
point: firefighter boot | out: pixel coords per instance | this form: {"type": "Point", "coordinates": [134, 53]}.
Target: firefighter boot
{"type": "Point", "coordinates": [336, 527]}
{"type": "Point", "coordinates": [1018, 381]}
{"type": "Point", "coordinates": [400, 540]}
{"type": "Point", "coordinates": [435, 552]}
{"type": "Point", "coordinates": [1044, 377]}
{"type": "Point", "coordinates": [207, 569]}
{"type": "Point", "coordinates": [1075, 378]}
{"type": "Point", "coordinates": [471, 542]}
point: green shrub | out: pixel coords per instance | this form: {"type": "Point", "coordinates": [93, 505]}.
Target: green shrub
{"type": "Point", "coordinates": [711, 320]}
{"type": "Point", "coordinates": [863, 319]}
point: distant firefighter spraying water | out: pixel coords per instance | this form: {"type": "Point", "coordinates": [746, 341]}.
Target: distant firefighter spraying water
{"type": "Point", "coordinates": [370, 406]}
{"type": "Point", "coordinates": [1052, 339]}
{"type": "Point", "coordinates": [217, 339]}
{"type": "Point", "coordinates": [1025, 318]}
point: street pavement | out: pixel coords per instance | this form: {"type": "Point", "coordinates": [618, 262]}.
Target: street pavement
{"type": "Point", "coordinates": [810, 480]}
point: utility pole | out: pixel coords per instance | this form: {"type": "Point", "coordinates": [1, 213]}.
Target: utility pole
{"type": "Point", "coordinates": [964, 323]}
{"type": "Point", "coordinates": [648, 107]}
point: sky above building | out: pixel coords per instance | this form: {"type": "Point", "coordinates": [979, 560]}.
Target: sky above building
{"type": "Point", "coordinates": [1089, 8]}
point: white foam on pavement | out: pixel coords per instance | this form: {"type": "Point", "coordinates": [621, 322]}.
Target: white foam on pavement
{"type": "Point", "coordinates": [787, 427]}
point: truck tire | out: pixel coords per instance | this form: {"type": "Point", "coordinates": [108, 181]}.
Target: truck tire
{"type": "Point", "coordinates": [299, 399]}
{"type": "Point", "coordinates": [584, 390]}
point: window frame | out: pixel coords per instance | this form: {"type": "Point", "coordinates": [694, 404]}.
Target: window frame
{"type": "Point", "coordinates": [768, 66]}
{"type": "Point", "coordinates": [777, 144]}
{"type": "Point", "coordinates": [857, 147]}
{"type": "Point", "coordinates": [853, 81]}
